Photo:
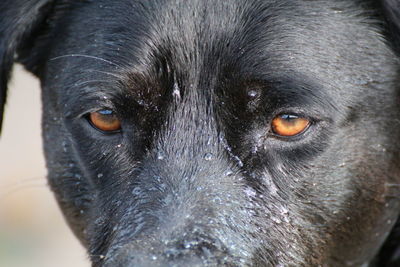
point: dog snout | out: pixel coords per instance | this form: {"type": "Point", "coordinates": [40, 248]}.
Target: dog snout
{"type": "Point", "coordinates": [177, 215]}
{"type": "Point", "coordinates": [196, 251]}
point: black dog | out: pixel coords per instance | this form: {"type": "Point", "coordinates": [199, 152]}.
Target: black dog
{"type": "Point", "coordinates": [218, 133]}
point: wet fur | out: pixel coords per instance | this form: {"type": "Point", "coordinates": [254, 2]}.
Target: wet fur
{"type": "Point", "coordinates": [197, 177]}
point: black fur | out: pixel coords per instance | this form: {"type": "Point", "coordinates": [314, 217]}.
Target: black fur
{"type": "Point", "coordinates": [196, 176]}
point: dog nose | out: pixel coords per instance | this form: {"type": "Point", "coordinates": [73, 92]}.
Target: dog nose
{"type": "Point", "coordinates": [146, 254]}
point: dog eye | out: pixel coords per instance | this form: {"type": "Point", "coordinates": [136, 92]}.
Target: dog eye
{"type": "Point", "coordinates": [105, 120]}
{"type": "Point", "coordinates": [289, 125]}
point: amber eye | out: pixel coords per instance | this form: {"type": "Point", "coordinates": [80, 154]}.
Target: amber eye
{"type": "Point", "coordinates": [289, 125]}
{"type": "Point", "coordinates": [105, 120]}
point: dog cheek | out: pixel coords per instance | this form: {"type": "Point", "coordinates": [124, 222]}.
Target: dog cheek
{"type": "Point", "coordinates": [73, 192]}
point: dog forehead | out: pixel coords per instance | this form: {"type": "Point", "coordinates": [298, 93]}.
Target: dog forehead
{"type": "Point", "coordinates": [255, 37]}
{"type": "Point", "coordinates": [135, 32]}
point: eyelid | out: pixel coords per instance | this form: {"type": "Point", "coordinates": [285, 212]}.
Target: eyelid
{"type": "Point", "coordinates": [80, 107]}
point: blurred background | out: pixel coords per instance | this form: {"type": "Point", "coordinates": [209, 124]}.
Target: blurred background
{"type": "Point", "coordinates": [32, 230]}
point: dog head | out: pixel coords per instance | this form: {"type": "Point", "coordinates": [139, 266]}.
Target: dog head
{"type": "Point", "coordinates": [209, 133]}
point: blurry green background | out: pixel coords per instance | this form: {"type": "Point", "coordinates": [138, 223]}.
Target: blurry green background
{"type": "Point", "coordinates": [32, 230]}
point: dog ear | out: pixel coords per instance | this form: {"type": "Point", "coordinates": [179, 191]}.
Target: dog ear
{"type": "Point", "coordinates": [391, 10]}
{"type": "Point", "coordinates": [19, 21]}
{"type": "Point", "coordinates": [389, 254]}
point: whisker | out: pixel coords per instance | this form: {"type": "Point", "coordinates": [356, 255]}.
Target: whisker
{"type": "Point", "coordinates": [23, 181]}
{"type": "Point", "coordinates": [86, 56]}
{"type": "Point", "coordinates": [107, 73]}
{"type": "Point", "coordinates": [36, 182]}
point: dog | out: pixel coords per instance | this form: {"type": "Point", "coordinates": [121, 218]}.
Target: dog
{"type": "Point", "coordinates": [218, 133]}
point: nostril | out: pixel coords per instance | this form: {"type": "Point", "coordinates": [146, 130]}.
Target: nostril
{"type": "Point", "coordinates": [186, 253]}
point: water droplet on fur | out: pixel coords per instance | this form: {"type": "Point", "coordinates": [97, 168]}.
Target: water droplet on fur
{"type": "Point", "coordinates": [119, 145]}
{"type": "Point", "coordinates": [361, 81]}
{"type": "Point", "coordinates": [99, 175]}
{"type": "Point", "coordinates": [239, 162]}
{"type": "Point", "coordinates": [158, 178]}
{"type": "Point", "coordinates": [250, 192]}
{"type": "Point", "coordinates": [64, 146]}
{"type": "Point", "coordinates": [176, 93]}
{"type": "Point", "coordinates": [99, 221]}
{"type": "Point", "coordinates": [209, 140]}
{"type": "Point", "coordinates": [217, 200]}
{"type": "Point", "coordinates": [336, 10]}
{"type": "Point", "coordinates": [272, 187]}
{"type": "Point", "coordinates": [186, 245]}
{"type": "Point", "coordinates": [252, 93]}
{"type": "Point", "coordinates": [283, 210]}
{"type": "Point", "coordinates": [154, 257]}
{"type": "Point", "coordinates": [136, 191]}
{"type": "Point", "coordinates": [208, 156]}
{"type": "Point", "coordinates": [276, 220]}
{"type": "Point", "coordinates": [160, 155]}
{"type": "Point", "coordinates": [228, 173]}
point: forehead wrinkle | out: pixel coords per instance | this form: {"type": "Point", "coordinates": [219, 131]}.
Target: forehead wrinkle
{"type": "Point", "coordinates": [195, 39]}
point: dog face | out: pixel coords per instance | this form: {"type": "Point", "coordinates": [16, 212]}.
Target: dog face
{"type": "Point", "coordinates": [205, 133]}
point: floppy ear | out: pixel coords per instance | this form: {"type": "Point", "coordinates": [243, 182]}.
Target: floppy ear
{"type": "Point", "coordinates": [19, 21]}
{"type": "Point", "coordinates": [389, 254]}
